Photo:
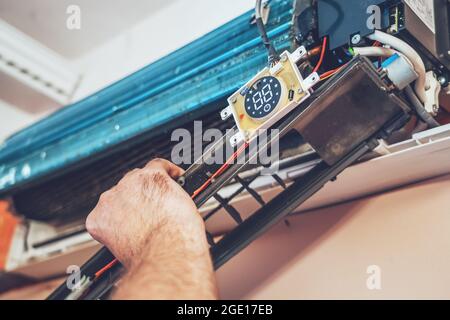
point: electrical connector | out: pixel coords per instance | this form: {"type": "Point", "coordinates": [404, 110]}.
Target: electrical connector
{"type": "Point", "coordinates": [400, 71]}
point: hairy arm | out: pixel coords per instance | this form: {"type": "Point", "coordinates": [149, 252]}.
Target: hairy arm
{"type": "Point", "coordinates": [152, 226]}
{"type": "Point", "coordinates": [174, 266]}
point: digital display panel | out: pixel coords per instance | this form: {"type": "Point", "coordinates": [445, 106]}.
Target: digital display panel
{"type": "Point", "coordinates": [263, 97]}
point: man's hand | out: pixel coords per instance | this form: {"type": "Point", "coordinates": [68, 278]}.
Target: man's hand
{"type": "Point", "coordinates": [153, 227]}
{"type": "Point", "coordinates": [144, 201]}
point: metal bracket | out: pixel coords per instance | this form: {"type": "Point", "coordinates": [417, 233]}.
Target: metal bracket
{"type": "Point", "coordinates": [311, 80]}
{"type": "Point", "coordinates": [432, 94]}
{"type": "Point", "coordinates": [298, 54]}
{"type": "Point", "coordinates": [236, 139]}
{"type": "Point", "coordinates": [226, 113]}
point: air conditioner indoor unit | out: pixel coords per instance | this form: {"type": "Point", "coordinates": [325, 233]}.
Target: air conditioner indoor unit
{"type": "Point", "coordinates": [55, 170]}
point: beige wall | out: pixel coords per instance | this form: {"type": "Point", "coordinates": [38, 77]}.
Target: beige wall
{"type": "Point", "coordinates": [325, 253]}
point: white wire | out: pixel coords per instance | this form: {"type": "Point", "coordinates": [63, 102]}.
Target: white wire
{"type": "Point", "coordinates": [404, 48]}
{"type": "Point", "coordinates": [258, 9]}
{"type": "Point", "coordinates": [374, 51]}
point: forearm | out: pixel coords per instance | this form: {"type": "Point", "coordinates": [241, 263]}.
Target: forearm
{"type": "Point", "coordinates": [175, 264]}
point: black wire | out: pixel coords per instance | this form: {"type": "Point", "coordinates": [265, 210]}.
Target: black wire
{"type": "Point", "coordinates": [273, 54]}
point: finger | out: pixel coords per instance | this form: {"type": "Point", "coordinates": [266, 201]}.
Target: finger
{"type": "Point", "coordinates": [161, 164]}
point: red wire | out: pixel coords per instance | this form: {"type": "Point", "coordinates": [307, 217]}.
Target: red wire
{"type": "Point", "coordinates": [329, 73]}
{"type": "Point", "coordinates": [105, 268]}
{"type": "Point", "coordinates": [322, 54]}
{"type": "Point", "coordinates": [220, 170]}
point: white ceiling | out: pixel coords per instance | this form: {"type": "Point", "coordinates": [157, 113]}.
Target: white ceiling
{"type": "Point", "coordinates": [45, 21]}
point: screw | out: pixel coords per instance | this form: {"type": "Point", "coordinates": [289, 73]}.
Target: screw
{"type": "Point", "coordinates": [181, 181]}
{"type": "Point", "coordinates": [435, 109]}
{"type": "Point", "coordinates": [356, 38]}
{"type": "Point", "coordinates": [442, 80]}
